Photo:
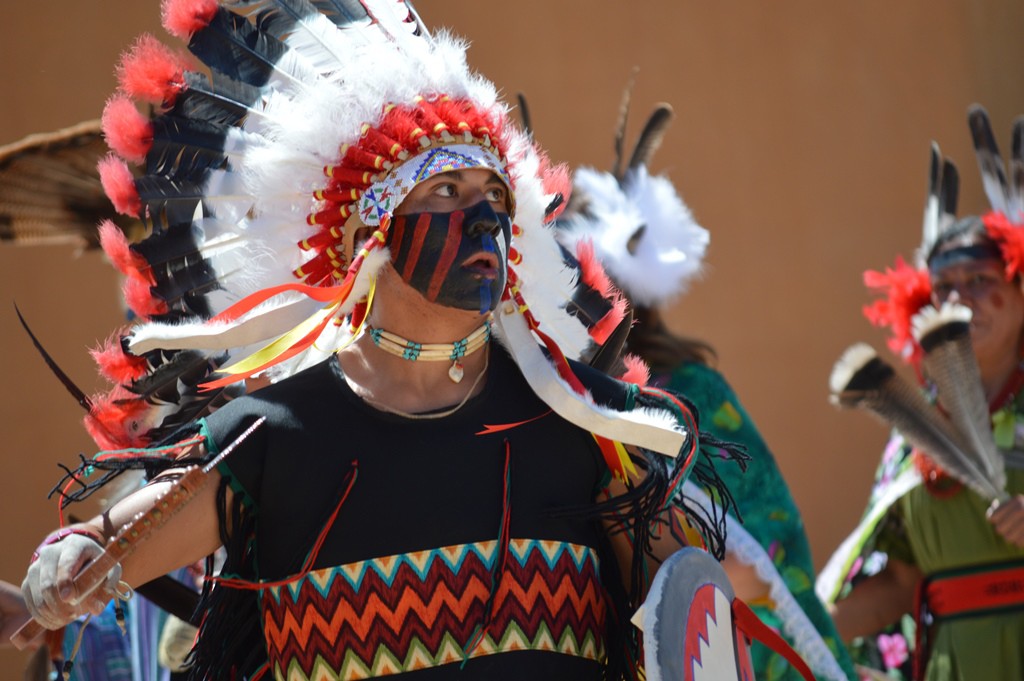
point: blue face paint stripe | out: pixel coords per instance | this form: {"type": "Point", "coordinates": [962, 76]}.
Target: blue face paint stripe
{"type": "Point", "coordinates": [487, 244]}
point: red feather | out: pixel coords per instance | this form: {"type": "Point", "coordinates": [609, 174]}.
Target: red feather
{"type": "Point", "coordinates": [556, 181]}
{"type": "Point", "coordinates": [116, 364]}
{"type": "Point", "coordinates": [637, 371]}
{"type": "Point", "coordinates": [609, 322]}
{"type": "Point", "coordinates": [594, 276]}
{"type": "Point", "coordinates": [1010, 238]}
{"type": "Point", "coordinates": [127, 132]}
{"type": "Point", "coordinates": [119, 186]}
{"type": "Point", "coordinates": [115, 245]}
{"type": "Point", "coordinates": [182, 18]}
{"type": "Point", "coordinates": [138, 294]}
{"type": "Point", "coordinates": [116, 420]}
{"type": "Point", "coordinates": [906, 290]}
{"type": "Point", "coordinates": [151, 71]}
{"type": "Point", "coordinates": [592, 271]}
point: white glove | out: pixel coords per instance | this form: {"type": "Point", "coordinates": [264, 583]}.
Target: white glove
{"type": "Point", "coordinates": [50, 594]}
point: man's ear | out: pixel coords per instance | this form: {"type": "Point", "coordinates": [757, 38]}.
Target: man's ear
{"type": "Point", "coordinates": [355, 234]}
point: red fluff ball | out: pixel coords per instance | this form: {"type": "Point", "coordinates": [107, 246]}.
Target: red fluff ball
{"type": "Point", "coordinates": [127, 131]}
{"type": "Point", "coordinates": [182, 18]}
{"type": "Point", "coordinates": [119, 186]}
{"type": "Point", "coordinates": [138, 295]}
{"type": "Point", "coordinates": [151, 71]}
{"type": "Point", "coordinates": [117, 420]}
{"type": "Point", "coordinates": [637, 371]}
{"type": "Point", "coordinates": [556, 182]}
{"type": "Point", "coordinates": [115, 245]}
{"type": "Point", "coordinates": [116, 364]}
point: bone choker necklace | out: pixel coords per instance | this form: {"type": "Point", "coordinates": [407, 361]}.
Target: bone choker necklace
{"type": "Point", "coordinates": [433, 352]}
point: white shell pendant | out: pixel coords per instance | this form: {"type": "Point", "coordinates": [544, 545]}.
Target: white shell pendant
{"type": "Point", "coordinates": [456, 372]}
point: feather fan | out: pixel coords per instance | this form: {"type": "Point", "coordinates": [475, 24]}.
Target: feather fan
{"type": "Point", "coordinates": [945, 337]}
{"type": "Point", "coordinates": [50, 190]}
{"type": "Point", "coordinates": [862, 380]}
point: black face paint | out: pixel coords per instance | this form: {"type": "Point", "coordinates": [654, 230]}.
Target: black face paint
{"type": "Point", "coordinates": [456, 259]}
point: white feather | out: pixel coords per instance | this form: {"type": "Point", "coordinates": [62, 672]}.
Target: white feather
{"type": "Point", "coordinates": [853, 359]}
{"type": "Point", "coordinates": [671, 250]}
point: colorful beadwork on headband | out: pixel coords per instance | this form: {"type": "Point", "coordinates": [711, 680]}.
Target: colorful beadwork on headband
{"type": "Point", "coordinates": [382, 197]}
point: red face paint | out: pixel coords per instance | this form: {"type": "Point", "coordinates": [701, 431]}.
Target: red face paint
{"type": "Point", "coordinates": [456, 259]}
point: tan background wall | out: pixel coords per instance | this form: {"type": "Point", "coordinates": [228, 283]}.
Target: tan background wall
{"type": "Point", "coordinates": [800, 142]}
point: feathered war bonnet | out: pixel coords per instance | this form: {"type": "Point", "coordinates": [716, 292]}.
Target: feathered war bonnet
{"type": "Point", "coordinates": [259, 170]}
{"type": "Point", "coordinates": [905, 289]}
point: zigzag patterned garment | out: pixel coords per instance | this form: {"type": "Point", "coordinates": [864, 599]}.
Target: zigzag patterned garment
{"type": "Point", "coordinates": [402, 582]}
{"type": "Point", "coordinates": [420, 610]}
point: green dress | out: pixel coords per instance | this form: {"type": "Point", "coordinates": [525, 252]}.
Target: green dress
{"type": "Point", "coordinates": [771, 536]}
{"type": "Point", "coordinates": [937, 532]}
{"type": "Point", "coordinates": [948, 533]}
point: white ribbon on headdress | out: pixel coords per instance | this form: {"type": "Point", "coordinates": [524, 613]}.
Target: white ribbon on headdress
{"type": "Point", "coordinates": [655, 430]}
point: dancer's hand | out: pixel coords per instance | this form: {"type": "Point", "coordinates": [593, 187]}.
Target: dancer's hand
{"type": "Point", "coordinates": [1008, 519]}
{"type": "Point", "coordinates": [49, 592]}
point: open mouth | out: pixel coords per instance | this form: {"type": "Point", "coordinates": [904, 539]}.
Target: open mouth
{"type": "Point", "coordinates": [482, 264]}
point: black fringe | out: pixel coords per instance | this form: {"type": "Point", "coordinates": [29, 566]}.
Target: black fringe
{"type": "Point", "coordinates": [83, 488]}
{"type": "Point", "coordinates": [622, 641]}
{"type": "Point", "coordinates": [230, 644]}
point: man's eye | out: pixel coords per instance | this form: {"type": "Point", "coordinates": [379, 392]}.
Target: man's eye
{"type": "Point", "coordinates": [446, 190]}
{"type": "Point", "coordinates": [495, 194]}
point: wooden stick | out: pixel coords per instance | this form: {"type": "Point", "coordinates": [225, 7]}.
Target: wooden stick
{"type": "Point", "coordinates": [132, 535]}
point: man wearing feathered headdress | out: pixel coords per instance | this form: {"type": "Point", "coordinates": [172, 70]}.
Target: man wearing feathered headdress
{"type": "Point", "coordinates": [343, 208]}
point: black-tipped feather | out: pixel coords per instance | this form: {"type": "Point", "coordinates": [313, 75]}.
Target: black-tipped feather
{"type": "Point", "coordinates": [65, 380]}
{"type": "Point", "coordinates": [950, 191]}
{"type": "Point", "coordinates": [993, 173]}
{"type": "Point", "coordinates": [185, 149]}
{"type": "Point", "coordinates": [163, 384]}
{"type": "Point", "coordinates": [620, 128]}
{"type": "Point", "coordinates": [608, 357]}
{"type": "Point", "coordinates": [524, 114]}
{"type": "Point", "coordinates": [233, 46]}
{"type": "Point", "coordinates": [224, 101]}
{"type": "Point", "coordinates": [185, 284]}
{"type": "Point", "coordinates": [651, 136]}
{"type": "Point", "coordinates": [344, 13]}
{"type": "Point", "coordinates": [182, 276]}
{"type": "Point", "coordinates": [279, 18]}
{"type": "Point", "coordinates": [169, 201]}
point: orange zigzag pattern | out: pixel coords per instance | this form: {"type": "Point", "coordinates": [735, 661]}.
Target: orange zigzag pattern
{"type": "Point", "coordinates": [410, 615]}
